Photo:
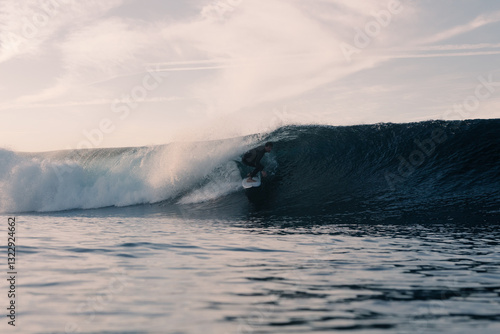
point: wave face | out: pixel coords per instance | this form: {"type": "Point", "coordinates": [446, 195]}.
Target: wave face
{"type": "Point", "coordinates": [432, 170]}
{"type": "Point", "coordinates": [429, 170]}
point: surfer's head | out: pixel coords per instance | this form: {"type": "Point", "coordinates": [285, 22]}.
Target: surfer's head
{"type": "Point", "coordinates": [268, 146]}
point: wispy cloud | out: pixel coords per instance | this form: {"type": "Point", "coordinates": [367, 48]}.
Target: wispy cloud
{"type": "Point", "coordinates": [448, 54]}
{"type": "Point", "coordinates": [243, 58]}
{"type": "Point", "coordinates": [108, 48]}
{"type": "Point", "coordinates": [446, 50]}
{"type": "Point", "coordinates": [454, 47]}
{"type": "Point", "coordinates": [269, 51]}
{"type": "Point", "coordinates": [476, 23]}
{"type": "Point", "coordinates": [260, 51]}
{"type": "Point", "coordinates": [97, 102]}
{"type": "Point", "coordinates": [27, 25]}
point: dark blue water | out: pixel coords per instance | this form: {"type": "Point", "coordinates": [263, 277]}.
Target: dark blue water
{"type": "Point", "coordinates": [155, 274]}
{"type": "Point", "coordinates": [409, 172]}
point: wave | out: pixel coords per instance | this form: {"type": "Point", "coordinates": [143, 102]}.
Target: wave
{"type": "Point", "coordinates": [434, 168]}
{"type": "Point", "coordinates": [431, 169]}
{"type": "Point", "coordinates": [85, 179]}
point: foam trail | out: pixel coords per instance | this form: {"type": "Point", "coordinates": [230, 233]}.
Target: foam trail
{"type": "Point", "coordinates": [223, 181]}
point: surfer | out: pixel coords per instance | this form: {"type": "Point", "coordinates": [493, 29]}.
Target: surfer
{"type": "Point", "coordinates": [252, 158]}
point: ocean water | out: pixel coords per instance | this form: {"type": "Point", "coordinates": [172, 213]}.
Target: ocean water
{"type": "Point", "coordinates": [387, 228]}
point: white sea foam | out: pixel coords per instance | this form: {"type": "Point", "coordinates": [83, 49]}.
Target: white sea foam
{"type": "Point", "coordinates": [193, 172]}
{"type": "Point", "coordinates": [222, 181]}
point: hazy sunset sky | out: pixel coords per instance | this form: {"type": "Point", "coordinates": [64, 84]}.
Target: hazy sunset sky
{"type": "Point", "coordinates": [117, 73]}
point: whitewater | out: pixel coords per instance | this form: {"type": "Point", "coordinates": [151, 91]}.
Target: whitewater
{"type": "Point", "coordinates": [95, 178]}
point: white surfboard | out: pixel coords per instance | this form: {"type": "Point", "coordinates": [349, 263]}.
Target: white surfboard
{"type": "Point", "coordinates": [247, 184]}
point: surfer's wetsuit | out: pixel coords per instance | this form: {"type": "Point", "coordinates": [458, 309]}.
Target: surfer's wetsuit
{"type": "Point", "coordinates": [252, 158]}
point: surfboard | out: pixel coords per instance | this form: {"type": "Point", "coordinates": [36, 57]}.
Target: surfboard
{"type": "Point", "coordinates": [247, 184]}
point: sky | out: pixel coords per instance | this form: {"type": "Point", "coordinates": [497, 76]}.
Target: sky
{"type": "Point", "coordinates": [118, 73]}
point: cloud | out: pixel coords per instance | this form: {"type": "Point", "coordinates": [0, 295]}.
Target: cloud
{"type": "Point", "coordinates": [454, 47]}
{"type": "Point", "coordinates": [32, 27]}
{"type": "Point", "coordinates": [448, 54]}
{"type": "Point", "coordinates": [446, 50]}
{"type": "Point", "coordinates": [263, 51]}
{"type": "Point", "coordinates": [106, 49]}
{"type": "Point", "coordinates": [27, 25]}
{"type": "Point", "coordinates": [255, 52]}
{"type": "Point", "coordinates": [476, 23]}
{"type": "Point", "coordinates": [230, 59]}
